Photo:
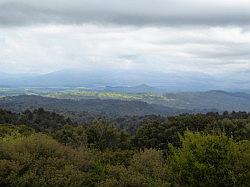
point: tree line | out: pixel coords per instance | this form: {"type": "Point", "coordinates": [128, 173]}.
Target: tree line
{"type": "Point", "coordinates": [42, 148]}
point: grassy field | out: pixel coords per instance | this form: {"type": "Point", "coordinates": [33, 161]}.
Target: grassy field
{"type": "Point", "coordinates": [83, 93]}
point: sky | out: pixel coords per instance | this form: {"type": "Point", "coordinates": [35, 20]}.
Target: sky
{"type": "Point", "coordinates": [205, 36]}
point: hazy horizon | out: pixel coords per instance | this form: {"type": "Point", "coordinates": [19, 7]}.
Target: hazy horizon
{"type": "Point", "coordinates": [192, 40]}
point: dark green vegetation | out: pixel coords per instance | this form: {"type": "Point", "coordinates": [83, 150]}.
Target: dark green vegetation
{"type": "Point", "coordinates": [41, 148]}
{"type": "Point", "coordinates": [174, 102]}
{"type": "Point", "coordinates": [108, 108]}
{"type": "Point", "coordinates": [38, 119]}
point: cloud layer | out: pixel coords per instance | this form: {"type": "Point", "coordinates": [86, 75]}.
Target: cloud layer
{"type": "Point", "coordinates": [214, 50]}
{"type": "Point", "coordinates": [129, 12]}
{"type": "Point", "coordinates": [206, 36]}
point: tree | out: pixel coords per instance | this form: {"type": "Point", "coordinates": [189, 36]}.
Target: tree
{"type": "Point", "coordinates": [38, 160]}
{"type": "Point", "coordinates": [210, 160]}
{"type": "Point", "coordinates": [12, 130]}
{"type": "Point", "coordinates": [146, 168]}
{"type": "Point", "coordinates": [71, 136]}
{"type": "Point", "coordinates": [103, 135]}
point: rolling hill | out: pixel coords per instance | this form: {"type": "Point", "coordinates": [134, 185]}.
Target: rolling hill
{"type": "Point", "coordinates": [219, 100]}
{"type": "Point", "coordinates": [97, 106]}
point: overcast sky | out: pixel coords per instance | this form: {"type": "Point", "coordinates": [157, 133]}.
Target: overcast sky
{"type": "Point", "coordinates": [207, 36]}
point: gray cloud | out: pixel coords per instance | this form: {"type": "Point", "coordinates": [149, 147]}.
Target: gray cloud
{"type": "Point", "coordinates": [46, 48]}
{"type": "Point", "coordinates": [206, 36]}
{"type": "Point", "coordinates": [226, 52]}
{"type": "Point", "coordinates": [129, 12]}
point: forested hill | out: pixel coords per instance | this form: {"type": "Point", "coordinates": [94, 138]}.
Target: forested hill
{"type": "Point", "coordinates": [39, 119]}
{"type": "Point", "coordinates": [96, 106]}
{"type": "Point", "coordinates": [219, 100]}
{"type": "Point", "coordinates": [189, 101]}
{"type": "Point", "coordinates": [38, 149]}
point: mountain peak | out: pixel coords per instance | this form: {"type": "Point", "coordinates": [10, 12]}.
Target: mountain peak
{"type": "Point", "coordinates": [143, 86]}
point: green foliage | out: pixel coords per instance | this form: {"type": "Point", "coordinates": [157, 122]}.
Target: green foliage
{"type": "Point", "coordinates": [146, 168]}
{"type": "Point", "coordinates": [83, 94]}
{"type": "Point", "coordinates": [7, 117]}
{"type": "Point", "coordinates": [156, 134]}
{"type": "Point", "coordinates": [71, 136]}
{"type": "Point", "coordinates": [42, 120]}
{"type": "Point", "coordinates": [108, 107]}
{"type": "Point", "coordinates": [159, 132]}
{"type": "Point", "coordinates": [239, 129]}
{"type": "Point", "coordinates": [210, 160]}
{"type": "Point", "coordinates": [150, 166]}
{"type": "Point", "coordinates": [39, 119]}
{"type": "Point", "coordinates": [214, 152]}
{"type": "Point", "coordinates": [102, 135]}
{"type": "Point", "coordinates": [12, 131]}
{"type": "Point", "coordinates": [38, 160]}
{"type": "Point", "coordinates": [115, 157]}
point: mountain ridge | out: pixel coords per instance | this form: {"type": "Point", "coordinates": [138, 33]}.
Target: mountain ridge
{"type": "Point", "coordinates": [108, 107]}
{"type": "Point", "coordinates": [167, 81]}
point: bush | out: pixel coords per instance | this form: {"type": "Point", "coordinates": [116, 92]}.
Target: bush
{"type": "Point", "coordinates": [38, 160]}
{"type": "Point", "coordinates": [210, 160]}
{"type": "Point", "coordinates": [71, 136]}
{"type": "Point", "coordinates": [146, 168]}
{"type": "Point", "coordinates": [103, 135]}
{"type": "Point", "coordinates": [14, 131]}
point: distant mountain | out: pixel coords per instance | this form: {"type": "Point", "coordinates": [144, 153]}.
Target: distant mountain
{"type": "Point", "coordinates": [96, 106]}
{"type": "Point", "coordinates": [143, 88]}
{"type": "Point", "coordinates": [170, 82]}
{"type": "Point", "coordinates": [123, 78]}
{"type": "Point", "coordinates": [247, 91]}
{"type": "Point", "coordinates": [3, 75]}
{"type": "Point", "coordinates": [219, 100]}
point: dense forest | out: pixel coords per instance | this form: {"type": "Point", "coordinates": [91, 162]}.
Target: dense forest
{"type": "Point", "coordinates": [42, 148]}
{"type": "Point", "coordinates": [107, 107]}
